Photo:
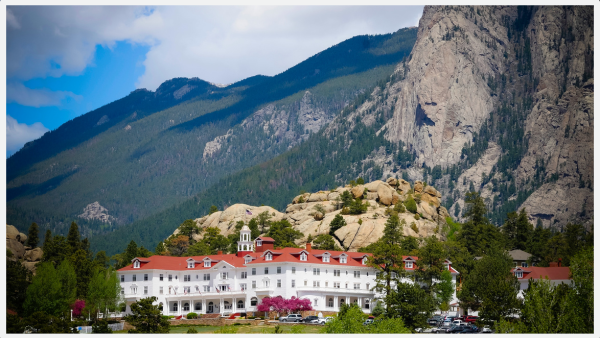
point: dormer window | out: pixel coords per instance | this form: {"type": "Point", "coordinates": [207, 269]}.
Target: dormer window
{"type": "Point", "coordinates": [364, 261]}
{"type": "Point", "coordinates": [258, 242]}
{"type": "Point", "coordinates": [519, 274]}
{"type": "Point", "coordinates": [447, 266]}
{"type": "Point", "coordinates": [268, 256]}
{"type": "Point", "coordinates": [343, 259]}
{"type": "Point", "coordinates": [325, 258]}
{"type": "Point", "coordinates": [136, 264]}
{"type": "Point", "coordinates": [191, 265]}
{"type": "Point", "coordinates": [207, 263]}
{"type": "Point", "coordinates": [408, 265]}
{"type": "Point", "coordinates": [303, 257]}
{"type": "Point", "coordinates": [248, 260]}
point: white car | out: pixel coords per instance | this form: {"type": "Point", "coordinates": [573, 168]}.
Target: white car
{"type": "Point", "coordinates": [291, 318]}
{"type": "Point", "coordinates": [486, 329]}
{"type": "Point", "coordinates": [322, 321]}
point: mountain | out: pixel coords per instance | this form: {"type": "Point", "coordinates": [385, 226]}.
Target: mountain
{"type": "Point", "coordinates": [492, 99]}
{"type": "Point", "coordinates": [152, 150]}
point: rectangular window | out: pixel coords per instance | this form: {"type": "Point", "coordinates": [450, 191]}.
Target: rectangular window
{"type": "Point", "coordinates": [186, 278]}
{"type": "Point", "coordinates": [122, 291]}
{"type": "Point", "coordinates": [253, 271]}
{"type": "Point", "coordinates": [326, 259]}
{"type": "Point", "coordinates": [408, 265]}
{"type": "Point", "coordinates": [356, 274]}
{"type": "Point", "coordinates": [223, 287]}
{"type": "Point", "coordinates": [279, 283]}
{"type": "Point", "coordinates": [316, 283]}
{"type": "Point", "coordinates": [134, 278]}
{"type": "Point", "coordinates": [356, 286]}
{"type": "Point", "coordinates": [206, 288]}
{"type": "Point", "coordinates": [243, 287]}
{"type": "Point", "coordinates": [207, 264]}
{"type": "Point", "coordinates": [207, 276]}
{"type": "Point", "coordinates": [305, 283]}
{"type": "Point", "coordinates": [254, 284]}
{"type": "Point", "coordinates": [336, 273]}
{"type": "Point", "coordinates": [145, 290]}
{"type": "Point", "coordinates": [519, 274]}
{"type": "Point", "coordinates": [336, 285]}
{"type": "Point", "coordinates": [122, 278]}
{"type": "Point", "coordinates": [278, 269]}
{"type": "Point", "coordinates": [244, 275]}
{"type": "Point", "coordinates": [343, 260]}
{"type": "Point", "coordinates": [316, 271]}
{"type": "Point", "coordinates": [161, 277]}
{"type": "Point", "coordinates": [326, 284]}
{"type": "Point", "coordinates": [524, 264]}
{"type": "Point", "coordinates": [224, 275]}
{"type": "Point", "coordinates": [170, 278]}
{"type": "Point", "coordinates": [160, 290]}
{"type": "Point", "coordinates": [293, 283]}
{"type": "Point", "coordinates": [293, 269]}
{"type": "Point", "coordinates": [266, 270]}
{"type": "Point", "coordinates": [330, 302]}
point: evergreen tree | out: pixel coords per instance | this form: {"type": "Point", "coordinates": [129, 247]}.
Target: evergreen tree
{"type": "Point", "coordinates": [32, 236]}
{"type": "Point", "coordinates": [410, 204]}
{"type": "Point", "coordinates": [253, 225]}
{"type": "Point", "coordinates": [284, 234]}
{"type": "Point", "coordinates": [55, 249]}
{"type": "Point", "coordinates": [264, 221]}
{"type": "Point", "coordinates": [47, 238]}
{"type": "Point", "coordinates": [45, 292]}
{"type": "Point", "coordinates": [68, 281]}
{"type": "Point", "coordinates": [213, 209]}
{"type": "Point", "coordinates": [413, 304]}
{"type": "Point", "coordinates": [337, 223]}
{"type": "Point", "coordinates": [524, 230]}
{"type": "Point", "coordinates": [18, 279]}
{"type": "Point", "coordinates": [146, 317]}
{"type": "Point", "coordinates": [325, 242]}
{"type": "Point", "coordinates": [101, 260]}
{"type": "Point", "coordinates": [160, 249]}
{"type": "Point", "coordinates": [430, 264]}
{"type": "Point", "coordinates": [189, 228]}
{"type": "Point", "coordinates": [478, 235]}
{"type": "Point", "coordinates": [509, 230]}
{"type": "Point", "coordinates": [83, 269]}
{"type": "Point", "coordinates": [74, 238]}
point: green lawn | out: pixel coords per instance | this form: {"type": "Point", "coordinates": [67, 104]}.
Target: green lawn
{"type": "Point", "coordinates": [246, 329]}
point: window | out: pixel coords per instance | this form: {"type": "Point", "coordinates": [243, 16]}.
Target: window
{"type": "Point", "coordinates": [303, 257]}
{"type": "Point", "coordinates": [343, 259]}
{"type": "Point", "coordinates": [356, 274]}
{"type": "Point", "coordinates": [161, 277]}
{"type": "Point", "coordinates": [122, 278]}
{"type": "Point", "coordinates": [207, 276]}
{"type": "Point", "coordinates": [316, 283]}
{"type": "Point", "coordinates": [293, 283]}
{"type": "Point", "coordinates": [198, 306]}
{"type": "Point", "coordinates": [268, 256]}
{"type": "Point", "coordinates": [206, 288]}
{"type": "Point", "coordinates": [145, 290]}
{"type": "Point", "coordinates": [368, 286]}
{"type": "Point", "coordinates": [326, 283]}
{"type": "Point", "coordinates": [248, 260]}
{"type": "Point", "coordinates": [267, 283]}
{"type": "Point", "coordinates": [253, 271]}
{"type": "Point", "coordinates": [524, 264]}
{"type": "Point", "coordinates": [134, 290]}
{"type": "Point", "coordinates": [253, 301]}
{"type": "Point", "coordinates": [186, 278]}
{"type": "Point", "coordinates": [316, 301]}
{"type": "Point", "coordinates": [254, 284]}
{"type": "Point", "coordinates": [356, 286]}
{"type": "Point", "coordinates": [346, 285]}
{"type": "Point", "coordinates": [326, 258]}
{"type": "Point", "coordinates": [207, 263]}
{"type": "Point", "coordinates": [266, 270]}
{"type": "Point", "coordinates": [190, 265]}
{"type": "Point", "coordinates": [336, 273]}
{"type": "Point", "coordinates": [278, 269]}
{"type": "Point", "coordinates": [258, 242]}
{"type": "Point", "coordinates": [244, 275]}
{"type": "Point", "coordinates": [122, 291]}
{"type": "Point", "coordinates": [170, 278]}
{"type": "Point", "coordinates": [305, 283]}
{"type": "Point", "coordinates": [293, 269]}
{"type": "Point", "coordinates": [279, 283]}
{"type": "Point", "coordinates": [364, 261]}
{"type": "Point", "coordinates": [367, 301]}
{"type": "Point", "coordinates": [224, 275]}
{"type": "Point", "coordinates": [186, 306]}
{"type": "Point", "coordinates": [243, 287]}
{"type": "Point", "coordinates": [519, 274]}
{"type": "Point", "coordinates": [134, 278]}
{"type": "Point", "coordinates": [408, 265]}
{"type": "Point", "coordinates": [160, 290]}
{"type": "Point", "coordinates": [316, 271]}
{"type": "Point", "coordinates": [136, 264]}
{"type": "Point", "coordinates": [175, 306]}
{"type": "Point", "coordinates": [330, 302]}
{"type": "Point", "coordinates": [336, 285]}
{"type": "Point", "coordinates": [224, 287]}
{"type": "Point", "coordinates": [186, 289]}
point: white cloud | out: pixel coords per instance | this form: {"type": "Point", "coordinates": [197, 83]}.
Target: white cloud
{"type": "Point", "coordinates": [11, 21]}
{"type": "Point", "coordinates": [17, 92]}
{"type": "Point", "coordinates": [17, 134]}
{"type": "Point", "coordinates": [215, 43]}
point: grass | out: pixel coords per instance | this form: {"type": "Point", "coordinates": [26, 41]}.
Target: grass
{"type": "Point", "coordinates": [309, 329]}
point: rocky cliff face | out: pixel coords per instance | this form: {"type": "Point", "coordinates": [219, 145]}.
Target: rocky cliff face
{"type": "Point", "coordinates": [17, 251]}
{"type": "Point", "coordinates": [361, 230]}
{"type": "Point", "coordinates": [96, 211]}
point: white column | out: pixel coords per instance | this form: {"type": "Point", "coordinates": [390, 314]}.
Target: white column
{"type": "Point", "coordinates": [359, 302]}
{"type": "Point", "coordinates": [179, 307]}
{"type": "Point", "coordinates": [336, 306]}
{"type": "Point", "coordinates": [203, 306]}
{"type": "Point", "coordinates": [347, 300]}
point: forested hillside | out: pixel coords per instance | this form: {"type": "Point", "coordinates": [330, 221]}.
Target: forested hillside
{"type": "Point", "coordinates": [137, 159]}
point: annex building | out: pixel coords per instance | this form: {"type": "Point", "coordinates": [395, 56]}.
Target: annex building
{"type": "Point", "coordinates": [235, 283]}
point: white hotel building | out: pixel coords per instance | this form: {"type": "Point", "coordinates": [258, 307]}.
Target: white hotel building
{"type": "Point", "coordinates": [235, 283]}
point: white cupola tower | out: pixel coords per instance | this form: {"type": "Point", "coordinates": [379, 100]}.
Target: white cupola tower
{"type": "Point", "coordinates": [245, 244]}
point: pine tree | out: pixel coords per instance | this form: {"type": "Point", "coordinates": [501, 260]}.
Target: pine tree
{"type": "Point", "coordinates": [74, 238]}
{"type": "Point", "coordinates": [47, 238]}
{"type": "Point", "coordinates": [32, 236]}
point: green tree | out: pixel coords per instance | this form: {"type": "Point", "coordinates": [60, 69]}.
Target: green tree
{"type": "Point", "coordinates": [544, 307]}
{"type": "Point", "coordinates": [431, 264]}
{"type": "Point", "coordinates": [378, 309]}
{"type": "Point", "coordinates": [146, 317]}
{"type": "Point", "coordinates": [74, 238]}
{"type": "Point", "coordinates": [491, 288]}
{"type": "Point", "coordinates": [581, 297]}
{"type": "Point", "coordinates": [264, 221]}
{"type": "Point", "coordinates": [47, 323]}
{"type": "Point", "coordinates": [360, 180]}
{"type": "Point", "coordinates": [101, 326]}
{"type": "Point", "coordinates": [178, 245]}
{"type": "Point", "coordinates": [445, 290]}
{"type": "Point", "coordinates": [524, 230]}
{"type": "Point", "coordinates": [104, 292]}
{"type": "Point", "coordinates": [325, 242]}
{"type": "Point", "coordinates": [388, 325]}
{"type": "Point", "coordinates": [47, 239]}
{"type": "Point", "coordinates": [160, 249]}
{"type": "Point", "coordinates": [211, 243]}
{"type": "Point", "coordinates": [101, 259]}
{"type": "Point", "coordinates": [337, 223]}
{"type": "Point", "coordinates": [346, 198]}
{"type": "Point", "coordinates": [189, 228]}
{"type": "Point", "coordinates": [284, 234]}
{"type": "Point", "coordinates": [55, 249]}
{"type": "Point", "coordinates": [143, 252]}
{"type": "Point", "coordinates": [409, 245]}
{"type": "Point", "coordinates": [253, 225]}
{"type": "Point", "coordinates": [83, 270]}
{"type": "Point", "coordinates": [18, 279]}
{"type": "Point", "coordinates": [357, 207]}
{"type": "Point", "coordinates": [68, 281]}
{"type": "Point", "coordinates": [478, 235]}
{"type": "Point", "coordinates": [410, 204]}
{"type": "Point", "coordinates": [410, 302]}
{"type": "Point", "coordinates": [33, 235]}
{"type": "Point", "coordinates": [45, 292]}
{"type": "Point", "coordinates": [536, 245]}
{"type": "Point", "coordinates": [349, 320]}
{"type": "Point", "coordinates": [213, 209]}
{"type": "Point", "coordinates": [509, 230]}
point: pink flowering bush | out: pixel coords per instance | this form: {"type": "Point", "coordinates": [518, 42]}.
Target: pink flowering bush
{"type": "Point", "coordinates": [78, 307]}
{"type": "Point", "coordinates": [282, 305]}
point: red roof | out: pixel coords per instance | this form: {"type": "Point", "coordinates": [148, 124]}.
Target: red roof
{"type": "Point", "coordinates": [266, 239]}
{"type": "Point", "coordinates": [553, 273]}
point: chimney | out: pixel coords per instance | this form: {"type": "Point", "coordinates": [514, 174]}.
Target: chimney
{"type": "Point", "coordinates": [219, 252]}
{"type": "Point", "coordinates": [559, 262]}
{"type": "Point", "coordinates": [308, 246]}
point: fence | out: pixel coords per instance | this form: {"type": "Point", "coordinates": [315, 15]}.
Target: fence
{"type": "Point", "coordinates": [114, 327]}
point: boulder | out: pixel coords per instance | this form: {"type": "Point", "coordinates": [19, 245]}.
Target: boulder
{"type": "Point", "coordinates": [294, 207]}
{"type": "Point", "coordinates": [318, 216]}
{"type": "Point", "coordinates": [392, 181]}
{"type": "Point", "coordinates": [385, 194]}
{"type": "Point", "coordinates": [358, 191]}
{"type": "Point", "coordinates": [396, 197]}
{"type": "Point", "coordinates": [34, 255]}
{"type": "Point", "coordinates": [372, 196]}
{"type": "Point", "coordinates": [333, 196]}
{"type": "Point", "coordinates": [373, 186]}
{"type": "Point", "coordinates": [418, 187]}
{"type": "Point", "coordinates": [22, 237]}
{"type": "Point", "coordinates": [443, 213]}
{"type": "Point", "coordinates": [430, 195]}
{"type": "Point", "coordinates": [11, 232]}
{"type": "Point", "coordinates": [30, 266]}
{"type": "Point", "coordinates": [297, 198]}
{"type": "Point", "coordinates": [15, 247]}
{"type": "Point", "coordinates": [318, 197]}
{"type": "Point", "coordinates": [403, 186]}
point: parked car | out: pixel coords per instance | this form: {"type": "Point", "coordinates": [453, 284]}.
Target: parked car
{"type": "Point", "coordinates": [292, 318]}
{"type": "Point", "coordinates": [435, 320]}
{"type": "Point", "coordinates": [457, 322]}
{"type": "Point", "coordinates": [455, 329]}
{"type": "Point", "coordinates": [470, 329]}
{"type": "Point", "coordinates": [447, 322]}
{"type": "Point", "coordinates": [309, 319]}
{"type": "Point", "coordinates": [470, 319]}
{"type": "Point", "coordinates": [486, 329]}
{"type": "Point", "coordinates": [322, 321]}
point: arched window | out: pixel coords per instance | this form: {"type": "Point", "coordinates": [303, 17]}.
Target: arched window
{"type": "Point", "coordinates": [186, 306]}
{"type": "Point", "coordinates": [175, 306]}
{"type": "Point", "coordinates": [136, 264]}
{"type": "Point", "coordinates": [366, 304]}
{"type": "Point", "coordinates": [268, 256]}
{"type": "Point", "coordinates": [240, 304]}
{"type": "Point", "coordinates": [253, 301]}
{"type": "Point", "coordinates": [342, 301]}
{"type": "Point", "coordinates": [198, 306]}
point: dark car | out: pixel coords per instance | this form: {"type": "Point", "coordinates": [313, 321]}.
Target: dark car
{"type": "Point", "coordinates": [435, 320]}
{"type": "Point", "coordinates": [470, 329]}
{"type": "Point", "coordinates": [309, 319]}
{"type": "Point", "coordinates": [455, 329]}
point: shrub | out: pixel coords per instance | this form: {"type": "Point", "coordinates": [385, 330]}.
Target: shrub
{"type": "Point", "coordinates": [278, 329]}
{"type": "Point", "coordinates": [345, 211]}
{"type": "Point", "coordinates": [337, 222]}
{"type": "Point", "coordinates": [413, 226]}
{"type": "Point", "coordinates": [360, 180]}
{"type": "Point", "coordinates": [192, 330]}
{"type": "Point", "coordinates": [418, 198]}
{"type": "Point", "coordinates": [227, 329]}
{"type": "Point", "coordinates": [192, 315]}
{"type": "Point", "coordinates": [411, 205]}
{"type": "Point", "coordinates": [353, 183]}
{"type": "Point", "coordinates": [101, 327]}
{"type": "Point", "coordinates": [319, 207]}
{"type": "Point", "coordinates": [301, 199]}
{"type": "Point", "coordinates": [360, 221]}
{"type": "Point", "coordinates": [399, 208]}
{"type": "Point", "coordinates": [417, 217]}
{"type": "Point", "coordinates": [358, 207]}
{"type": "Point", "coordinates": [297, 329]}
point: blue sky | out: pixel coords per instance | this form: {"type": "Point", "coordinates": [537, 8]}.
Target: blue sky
{"type": "Point", "coordinates": [64, 61]}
